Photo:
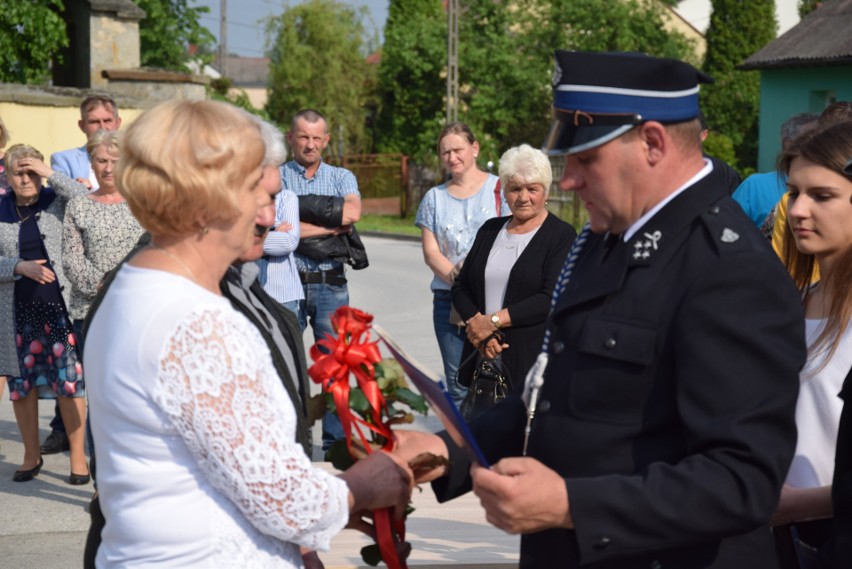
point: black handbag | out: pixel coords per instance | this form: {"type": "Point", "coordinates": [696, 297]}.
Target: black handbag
{"type": "Point", "coordinates": [489, 385]}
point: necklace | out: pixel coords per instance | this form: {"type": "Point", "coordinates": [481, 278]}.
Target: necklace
{"type": "Point", "coordinates": [176, 258]}
{"type": "Point", "coordinates": [21, 217]}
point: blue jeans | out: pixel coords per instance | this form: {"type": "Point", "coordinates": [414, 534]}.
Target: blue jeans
{"type": "Point", "coordinates": [451, 340]}
{"type": "Point", "coordinates": [319, 304]}
{"type": "Point", "coordinates": [292, 306]}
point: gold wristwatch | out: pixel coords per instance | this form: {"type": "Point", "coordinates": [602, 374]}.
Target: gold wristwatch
{"type": "Point", "coordinates": [495, 320]}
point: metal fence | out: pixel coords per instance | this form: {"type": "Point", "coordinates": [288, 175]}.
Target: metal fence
{"type": "Point", "coordinates": [390, 185]}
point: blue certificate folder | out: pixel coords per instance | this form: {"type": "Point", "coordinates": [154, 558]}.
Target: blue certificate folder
{"type": "Point", "coordinates": [435, 392]}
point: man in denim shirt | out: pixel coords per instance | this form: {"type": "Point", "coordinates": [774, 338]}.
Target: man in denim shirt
{"type": "Point", "coordinates": [324, 281]}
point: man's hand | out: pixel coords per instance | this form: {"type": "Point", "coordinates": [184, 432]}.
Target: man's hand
{"type": "Point", "coordinates": [411, 444]}
{"type": "Point", "coordinates": [36, 271]}
{"type": "Point", "coordinates": [521, 495]}
{"type": "Point", "coordinates": [85, 182]}
{"type": "Point", "coordinates": [284, 227]}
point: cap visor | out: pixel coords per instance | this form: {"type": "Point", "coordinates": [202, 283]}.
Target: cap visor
{"type": "Point", "coordinates": [565, 138]}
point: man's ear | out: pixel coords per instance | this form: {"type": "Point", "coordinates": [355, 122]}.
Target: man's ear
{"type": "Point", "coordinates": [80, 124]}
{"type": "Point", "coordinates": [657, 141]}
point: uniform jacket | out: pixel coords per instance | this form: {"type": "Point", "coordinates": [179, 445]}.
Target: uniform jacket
{"type": "Point", "coordinates": [528, 292]}
{"type": "Point", "coordinates": [73, 162]}
{"type": "Point", "coordinates": [50, 225]}
{"type": "Point", "coordinates": [669, 398]}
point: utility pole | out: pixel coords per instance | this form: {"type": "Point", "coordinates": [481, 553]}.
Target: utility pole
{"type": "Point", "coordinates": [452, 61]}
{"type": "Point", "coordinates": [223, 37]}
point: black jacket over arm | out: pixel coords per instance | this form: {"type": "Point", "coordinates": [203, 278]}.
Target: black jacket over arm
{"type": "Point", "coordinates": [531, 283]}
{"type": "Point", "coordinates": [668, 404]}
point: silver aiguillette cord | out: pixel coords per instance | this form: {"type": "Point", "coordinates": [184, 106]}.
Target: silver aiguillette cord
{"type": "Point", "coordinates": [535, 377]}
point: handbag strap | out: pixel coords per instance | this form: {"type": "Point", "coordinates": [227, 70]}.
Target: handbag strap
{"type": "Point", "coordinates": [497, 196]}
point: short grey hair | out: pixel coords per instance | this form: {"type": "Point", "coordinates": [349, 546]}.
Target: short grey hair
{"type": "Point", "coordinates": [276, 151]}
{"type": "Point", "coordinates": [108, 138]}
{"type": "Point", "coordinates": [527, 165]}
{"type": "Point", "coordinates": [796, 125]}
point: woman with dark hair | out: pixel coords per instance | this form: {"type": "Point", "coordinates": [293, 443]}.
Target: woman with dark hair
{"type": "Point", "coordinates": [819, 232]}
{"type": "Point", "coordinates": [38, 347]}
{"type": "Point", "coordinates": [449, 217]}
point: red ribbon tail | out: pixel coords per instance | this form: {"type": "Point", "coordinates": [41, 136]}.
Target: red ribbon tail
{"type": "Point", "coordinates": [387, 539]}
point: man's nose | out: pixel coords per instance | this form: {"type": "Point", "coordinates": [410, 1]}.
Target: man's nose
{"type": "Point", "coordinates": [570, 180]}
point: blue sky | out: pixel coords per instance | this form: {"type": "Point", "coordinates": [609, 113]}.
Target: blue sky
{"type": "Point", "coordinates": [246, 35]}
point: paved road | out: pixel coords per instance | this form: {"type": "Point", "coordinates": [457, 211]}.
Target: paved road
{"type": "Point", "coordinates": [43, 522]}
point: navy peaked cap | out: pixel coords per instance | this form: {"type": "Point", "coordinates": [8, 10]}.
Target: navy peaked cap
{"type": "Point", "coordinates": [597, 97]}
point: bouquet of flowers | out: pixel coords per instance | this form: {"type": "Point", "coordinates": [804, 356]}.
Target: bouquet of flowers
{"type": "Point", "coordinates": [379, 398]}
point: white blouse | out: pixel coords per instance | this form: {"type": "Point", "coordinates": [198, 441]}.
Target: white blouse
{"type": "Point", "coordinates": [818, 412]}
{"type": "Point", "coordinates": [195, 437]}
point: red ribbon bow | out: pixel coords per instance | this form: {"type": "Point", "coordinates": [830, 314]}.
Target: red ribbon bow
{"type": "Point", "coordinates": [352, 353]}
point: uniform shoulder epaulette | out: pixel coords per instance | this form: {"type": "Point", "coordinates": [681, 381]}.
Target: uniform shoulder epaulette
{"type": "Point", "coordinates": [725, 229]}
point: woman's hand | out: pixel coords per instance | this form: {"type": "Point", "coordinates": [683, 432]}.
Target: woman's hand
{"type": "Point", "coordinates": [491, 349]}
{"type": "Point", "coordinates": [379, 481]}
{"type": "Point", "coordinates": [36, 166]}
{"type": "Point", "coordinates": [35, 270]}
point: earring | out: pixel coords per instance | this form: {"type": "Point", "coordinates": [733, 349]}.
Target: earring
{"type": "Point", "coordinates": [204, 230]}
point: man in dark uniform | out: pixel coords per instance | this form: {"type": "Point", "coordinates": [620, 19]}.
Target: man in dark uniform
{"type": "Point", "coordinates": [665, 423]}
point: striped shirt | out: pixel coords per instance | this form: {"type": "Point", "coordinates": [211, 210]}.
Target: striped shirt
{"type": "Point", "coordinates": [281, 278]}
{"type": "Point", "coordinates": [327, 181]}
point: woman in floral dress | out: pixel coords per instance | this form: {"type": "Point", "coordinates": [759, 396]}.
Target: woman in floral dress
{"type": "Point", "coordinates": [38, 352]}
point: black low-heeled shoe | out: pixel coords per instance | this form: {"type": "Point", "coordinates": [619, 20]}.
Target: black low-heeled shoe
{"type": "Point", "coordinates": [27, 475]}
{"type": "Point", "coordinates": [78, 479]}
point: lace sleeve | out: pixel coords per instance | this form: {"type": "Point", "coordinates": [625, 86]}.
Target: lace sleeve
{"type": "Point", "coordinates": [217, 386]}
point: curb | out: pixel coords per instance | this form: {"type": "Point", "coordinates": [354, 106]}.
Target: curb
{"type": "Point", "coordinates": [385, 235]}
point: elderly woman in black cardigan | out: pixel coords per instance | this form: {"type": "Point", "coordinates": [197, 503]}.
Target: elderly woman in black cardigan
{"type": "Point", "coordinates": [508, 277]}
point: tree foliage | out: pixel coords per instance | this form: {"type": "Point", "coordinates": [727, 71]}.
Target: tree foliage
{"type": "Point", "coordinates": [32, 33]}
{"type": "Point", "coordinates": [737, 30]}
{"type": "Point", "coordinates": [808, 6]}
{"type": "Point", "coordinates": [166, 31]}
{"type": "Point", "coordinates": [412, 77]}
{"type": "Point", "coordinates": [318, 53]}
{"type": "Point", "coordinates": [505, 62]}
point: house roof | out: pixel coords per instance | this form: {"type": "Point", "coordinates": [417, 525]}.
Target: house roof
{"type": "Point", "coordinates": [246, 71]}
{"type": "Point", "coordinates": [822, 38]}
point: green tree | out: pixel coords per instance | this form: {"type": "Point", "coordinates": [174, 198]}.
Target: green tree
{"type": "Point", "coordinates": [808, 6]}
{"type": "Point", "coordinates": [505, 64]}
{"type": "Point", "coordinates": [166, 31]}
{"type": "Point", "coordinates": [412, 78]}
{"type": "Point", "coordinates": [737, 30]}
{"type": "Point", "coordinates": [318, 53]}
{"type": "Point", "coordinates": [32, 33]}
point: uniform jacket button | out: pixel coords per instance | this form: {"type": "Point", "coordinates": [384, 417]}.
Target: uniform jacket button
{"type": "Point", "coordinates": [544, 406]}
{"type": "Point", "coordinates": [558, 347]}
{"type": "Point", "coordinates": [602, 544]}
{"type": "Point", "coordinates": [610, 343]}
{"type": "Point", "coordinates": [656, 565]}
{"type": "Point", "coordinates": [715, 210]}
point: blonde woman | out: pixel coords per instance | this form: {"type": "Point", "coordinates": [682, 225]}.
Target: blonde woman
{"type": "Point", "coordinates": [201, 467]}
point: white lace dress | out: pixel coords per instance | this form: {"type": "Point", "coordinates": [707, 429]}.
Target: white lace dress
{"type": "Point", "coordinates": [197, 464]}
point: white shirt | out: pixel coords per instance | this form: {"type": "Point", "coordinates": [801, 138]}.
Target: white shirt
{"type": "Point", "coordinates": [197, 460]}
{"type": "Point", "coordinates": [818, 412]}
